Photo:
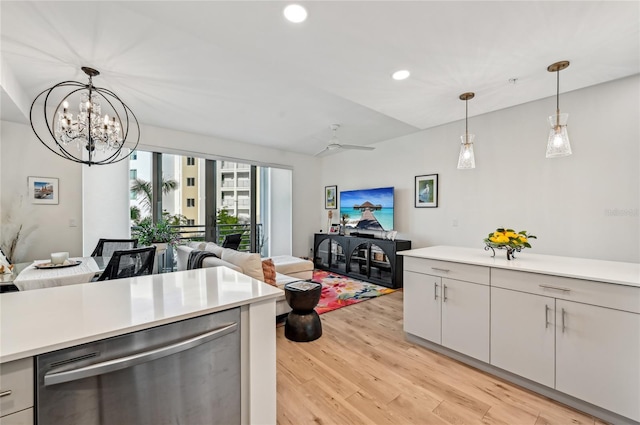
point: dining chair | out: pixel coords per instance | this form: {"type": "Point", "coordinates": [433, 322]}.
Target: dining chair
{"type": "Point", "coordinates": [232, 241]}
{"type": "Point", "coordinates": [106, 247]}
{"type": "Point", "coordinates": [130, 263]}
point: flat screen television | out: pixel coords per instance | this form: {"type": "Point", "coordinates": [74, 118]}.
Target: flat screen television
{"type": "Point", "coordinates": [368, 209]}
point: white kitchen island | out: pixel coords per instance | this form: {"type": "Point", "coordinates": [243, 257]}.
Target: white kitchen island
{"type": "Point", "coordinates": [45, 320]}
{"type": "Point", "coordinates": [568, 328]}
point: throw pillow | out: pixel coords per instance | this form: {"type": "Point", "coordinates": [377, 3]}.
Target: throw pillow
{"type": "Point", "coordinates": [251, 263]}
{"type": "Point", "coordinates": [216, 249]}
{"type": "Point", "coordinates": [196, 245]}
{"type": "Point", "coordinates": [269, 271]}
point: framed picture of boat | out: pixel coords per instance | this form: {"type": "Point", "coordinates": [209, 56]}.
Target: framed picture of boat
{"type": "Point", "coordinates": [43, 190]}
{"type": "Point", "coordinates": [330, 197]}
{"type": "Point", "coordinates": [426, 191]}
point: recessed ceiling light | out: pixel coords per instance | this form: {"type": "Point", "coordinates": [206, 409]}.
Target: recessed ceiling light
{"type": "Point", "coordinates": [403, 74]}
{"type": "Point", "coordinates": [295, 13]}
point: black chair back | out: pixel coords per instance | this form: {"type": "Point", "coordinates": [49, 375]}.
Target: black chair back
{"type": "Point", "coordinates": [232, 241]}
{"type": "Point", "coordinates": [106, 247]}
{"type": "Point", "coordinates": [130, 263]}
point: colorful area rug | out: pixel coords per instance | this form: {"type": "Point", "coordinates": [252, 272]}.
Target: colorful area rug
{"type": "Point", "coordinates": [340, 291]}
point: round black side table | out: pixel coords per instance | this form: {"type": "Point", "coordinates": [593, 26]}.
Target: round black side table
{"type": "Point", "coordinates": [303, 323]}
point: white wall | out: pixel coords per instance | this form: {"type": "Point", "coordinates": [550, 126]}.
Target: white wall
{"type": "Point", "coordinates": [105, 191]}
{"type": "Point", "coordinates": [45, 228]}
{"type": "Point", "coordinates": [584, 205]}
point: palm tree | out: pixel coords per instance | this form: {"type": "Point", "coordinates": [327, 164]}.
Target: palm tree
{"type": "Point", "coordinates": [143, 189]}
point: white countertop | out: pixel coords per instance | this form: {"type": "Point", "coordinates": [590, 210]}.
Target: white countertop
{"type": "Point", "coordinates": [43, 320]}
{"type": "Point", "coordinates": [579, 268]}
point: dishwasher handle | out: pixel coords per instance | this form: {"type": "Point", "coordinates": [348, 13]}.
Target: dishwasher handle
{"type": "Point", "coordinates": [52, 378]}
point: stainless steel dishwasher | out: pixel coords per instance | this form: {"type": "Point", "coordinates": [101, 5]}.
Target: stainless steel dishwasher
{"type": "Point", "coordinates": [185, 373]}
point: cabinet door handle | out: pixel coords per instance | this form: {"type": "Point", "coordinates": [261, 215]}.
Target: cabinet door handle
{"type": "Point", "coordinates": [435, 291]}
{"type": "Point", "coordinates": [444, 293]}
{"type": "Point", "coordinates": [546, 316]}
{"type": "Point", "coordinates": [563, 320]}
{"type": "Point", "coordinates": [557, 288]}
{"type": "Point", "coordinates": [5, 393]}
{"type": "Point", "coordinates": [440, 270]}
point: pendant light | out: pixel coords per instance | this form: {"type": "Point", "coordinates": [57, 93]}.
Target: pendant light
{"type": "Point", "coordinates": [467, 159]}
{"type": "Point", "coordinates": [558, 143]}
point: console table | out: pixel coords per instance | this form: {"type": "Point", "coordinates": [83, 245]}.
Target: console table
{"type": "Point", "coordinates": [369, 259]}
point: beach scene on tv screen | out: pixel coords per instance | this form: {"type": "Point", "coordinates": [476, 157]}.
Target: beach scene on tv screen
{"type": "Point", "coordinates": [368, 209]}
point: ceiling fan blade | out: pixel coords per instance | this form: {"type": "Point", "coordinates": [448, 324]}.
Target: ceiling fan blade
{"type": "Point", "coordinates": [362, 148]}
{"type": "Point", "coordinates": [326, 151]}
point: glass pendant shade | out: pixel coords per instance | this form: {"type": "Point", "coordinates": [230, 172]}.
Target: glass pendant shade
{"type": "Point", "coordinates": [558, 144]}
{"type": "Point", "coordinates": [467, 159]}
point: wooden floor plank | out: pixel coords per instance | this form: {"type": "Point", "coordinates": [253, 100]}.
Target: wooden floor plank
{"type": "Point", "coordinates": [364, 371]}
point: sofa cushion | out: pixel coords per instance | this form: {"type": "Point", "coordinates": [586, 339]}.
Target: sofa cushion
{"type": "Point", "coordinates": [215, 248]}
{"type": "Point", "coordinates": [293, 266]}
{"type": "Point", "coordinates": [251, 263]}
{"type": "Point", "coordinates": [269, 271]}
{"type": "Point", "coordinates": [217, 262]}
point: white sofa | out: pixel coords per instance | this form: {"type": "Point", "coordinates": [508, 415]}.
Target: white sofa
{"type": "Point", "coordinates": [288, 268]}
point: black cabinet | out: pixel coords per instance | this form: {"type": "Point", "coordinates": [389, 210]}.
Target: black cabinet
{"type": "Point", "coordinates": [368, 259]}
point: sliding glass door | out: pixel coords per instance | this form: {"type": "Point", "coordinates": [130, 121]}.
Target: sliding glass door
{"type": "Point", "coordinates": [209, 199]}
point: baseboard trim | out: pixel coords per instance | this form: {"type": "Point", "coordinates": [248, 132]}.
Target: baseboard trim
{"type": "Point", "coordinates": [551, 393]}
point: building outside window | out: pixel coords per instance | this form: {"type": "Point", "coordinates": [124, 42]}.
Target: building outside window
{"type": "Point", "coordinates": [191, 160]}
{"type": "Point", "coordinates": [191, 202]}
{"type": "Point", "coordinates": [191, 181]}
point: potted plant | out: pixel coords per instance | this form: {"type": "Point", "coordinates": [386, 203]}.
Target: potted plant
{"type": "Point", "coordinates": [160, 234]}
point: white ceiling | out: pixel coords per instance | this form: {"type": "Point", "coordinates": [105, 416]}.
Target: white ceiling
{"type": "Point", "coordinates": [238, 70]}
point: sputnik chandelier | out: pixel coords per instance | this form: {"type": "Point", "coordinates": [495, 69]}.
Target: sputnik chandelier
{"type": "Point", "coordinates": [87, 136]}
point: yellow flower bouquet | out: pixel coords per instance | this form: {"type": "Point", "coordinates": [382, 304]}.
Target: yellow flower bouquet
{"type": "Point", "coordinates": [508, 239]}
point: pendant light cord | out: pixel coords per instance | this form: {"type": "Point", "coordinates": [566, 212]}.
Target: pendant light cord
{"type": "Point", "coordinates": [557, 98]}
{"type": "Point", "coordinates": [466, 121]}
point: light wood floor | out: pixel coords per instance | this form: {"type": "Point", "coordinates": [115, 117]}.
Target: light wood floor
{"type": "Point", "coordinates": [362, 371]}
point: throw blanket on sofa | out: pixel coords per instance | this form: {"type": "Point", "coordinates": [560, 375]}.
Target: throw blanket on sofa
{"type": "Point", "coordinates": [196, 258]}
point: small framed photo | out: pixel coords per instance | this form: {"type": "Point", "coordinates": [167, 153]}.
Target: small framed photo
{"type": "Point", "coordinates": [335, 228]}
{"type": "Point", "coordinates": [43, 190]}
{"type": "Point", "coordinates": [330, 197]}
{"type": "Point", "coordinates": [426, 188]}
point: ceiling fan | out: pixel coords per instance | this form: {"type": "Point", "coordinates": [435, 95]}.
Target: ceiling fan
{"type": "Point", "coordinates": [335, 145]}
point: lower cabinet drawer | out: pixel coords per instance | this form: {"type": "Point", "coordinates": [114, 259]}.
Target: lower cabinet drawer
{"type": "Point", "coordinates": [448, 269]}
{"type": "Point", "coordinates": [23, 417]}
{"type": "Point", "coordinates": [619, 297]}
{"type": "Point", "coordinates": [16, 386]}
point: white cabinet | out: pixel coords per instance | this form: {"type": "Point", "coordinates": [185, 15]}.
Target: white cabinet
{"type": "Point", "coordinates": [23, 417]}
{"type": "Point", "coordinates": [569, 326]}
{"type": "Point", "coordinates": [446, 311]}
{"type": "Point", "coordinates": [422, 307]}
{"type": "Point", "coordinates": [523, 334]}
{"type": "Point", "coordinates": [465, 318]}
{"type": "Point", "coordinates": [598, 356]}
{"type": "Point", "coordinates": [16, 392]}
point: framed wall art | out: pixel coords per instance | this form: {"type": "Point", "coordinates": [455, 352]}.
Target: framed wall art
{"type": "Point", "coordinates": [330, 197]}
{"type": "Point", "coordinates": [43, 190]}
{"type": "Point", "coordinates": [426, 191]}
